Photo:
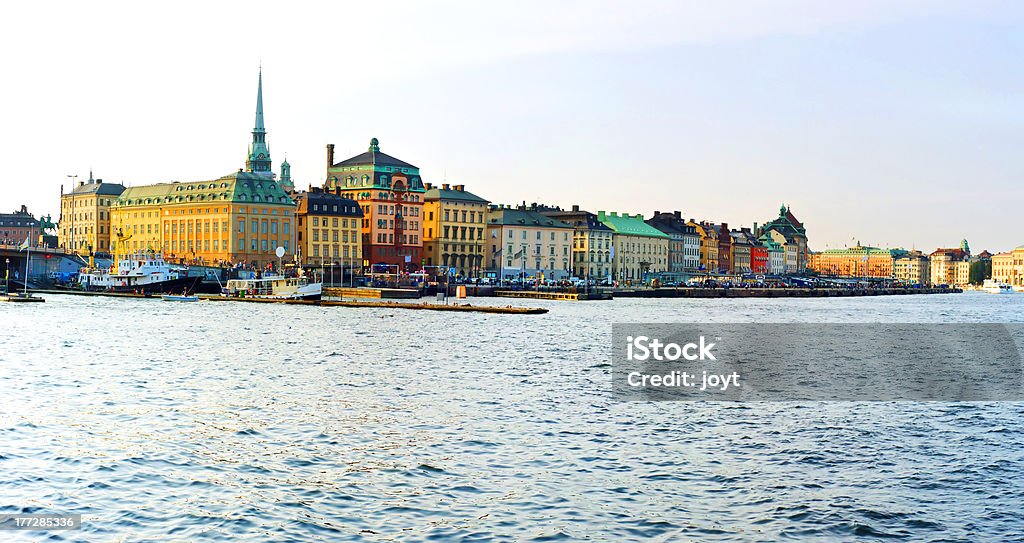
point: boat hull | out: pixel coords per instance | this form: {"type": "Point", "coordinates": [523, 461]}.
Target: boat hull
{"type": "Point", "coordinates": [181, 284]}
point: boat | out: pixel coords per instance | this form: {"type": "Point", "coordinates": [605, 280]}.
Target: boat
{"type": "Point", "coordinates": [273, 287]}
{"type": "Point", "coordinates": [139, 272]}
{"type": "Point", "coordinates": [996, 287]}
{"type": "Point", "coordinates": [1018, 288]}
{"type": "Point", "coordinates": [179, 298]}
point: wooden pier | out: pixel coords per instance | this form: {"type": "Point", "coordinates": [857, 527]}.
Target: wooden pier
{"type": "Point", "coordinates": [564, 296]}
{"type": "Point", "coordinates": [506, 310]}
{"type": "Point", "coordinates": [367, 292]}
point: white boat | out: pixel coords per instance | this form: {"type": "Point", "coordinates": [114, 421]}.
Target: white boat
{"type": "Point", "coordinates": [996, 287]}
{"type": "Point", "coordinates": [274, 287]}
{"type": "Point", "coordinates": [1018, 288]}
{"type": "Point", "coordinates": [137, 272]}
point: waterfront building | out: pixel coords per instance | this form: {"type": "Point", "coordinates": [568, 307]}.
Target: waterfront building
{"type": "Point", "coordinates": [328, 231]}
{"type": "Point", "coordinates": [789, 233]}
{"type": "Point", "coordinates": [18, 226]}
{"type": "Point", "coordinates": [591, 242]}
{"type": "Point", "coordinates": [943, 265]}
{"type": "Point", "coordinates": [776, 254]}
{"type": "Point", "coordinates": [524, 244]}
{"type": "Point", "coordinates": [725, 261]}
{"type": "Point", "coordinates": [84, 223]}
{"type": "Point", "coordinates": [912, 268]}
{"type": "Point", "coordinates": [454, 225]}
{"type": "Point", "coordinates": [742, 241]}
{"type": "Point", "coordinates": [857, 261]}
{"type": "Point", "coordinates": [638, 248]}
{"type": "Point", "coordinates": [390, 192]}
{"type": "Point", "coordinates": [1008, 267]}
{"type": "Point", "coordinates": [239, 218]}
{"type": "Point", "coordinates": [684, 245]}
{"type": "Point", "coordinates": [708, 245]}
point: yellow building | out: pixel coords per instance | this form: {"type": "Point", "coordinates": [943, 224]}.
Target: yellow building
{"type": "Point", "coordinates": [639, 249]}
{"type": "Point", "coordinates": [454, 228]}
{"type": "Point", "coordinates": [857, 261]}
{"type": "Point", "coordinates": [708, 244]}
{"type": "Point", "coordinates": [240, 218]}
{"type": "Point", "coordinates": [911, 268]}
{"type": "Point", "coordinates": [524, 244]}
{"type": "Point", "coordinates": [1009, 267]}
{"type": "Point", "coordinates": [84, 223]}
{"type": "Point", "coordinates": [328, 231]}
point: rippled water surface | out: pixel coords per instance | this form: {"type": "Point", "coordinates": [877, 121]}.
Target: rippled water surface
{"type": "Point", "coordinates": [248, 422]}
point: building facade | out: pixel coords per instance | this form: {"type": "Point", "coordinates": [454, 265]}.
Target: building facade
{"type": "Point", "coordinates": [240, 218]}
{"type": "Point", "coordinates": [708, 234]}
{"type": "Point", "coordinates": [591, 242]}
{"type": "Point", "coordinates": [454, 228]}
{"type": "Point", "coordinates": [912, 268]}
{"type": "Point", "coordinates": [526, 245]}
{"type": "Point", "coordinates": [637, 247]}
{"type": "Point", "coordinates": [390, 193]}
{"type": "Point", "coordinates": [1008, 267]}
{"type": "Point", "coordinates": [84, 223]}
{"type": "Point", "coordinates": [856, 261]}
{"type": "Point", "coordinates": [684, 245]}
{"type": "Point", "coordinates": [791, 234]}
{"type": "Point", "coordinates": [18, 226]}
{"type": "Point", "coordinates": [943, 264]}
{"type": "Point", "coordinates": [328, 231]}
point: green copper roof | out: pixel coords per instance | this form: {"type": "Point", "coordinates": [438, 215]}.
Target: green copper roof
{"type": "Point", "coordinates": [439, 193]}
{"type": "Point", "coordinates": [631, 225]}
{"type": "Point", "coordinates": [239, 187]}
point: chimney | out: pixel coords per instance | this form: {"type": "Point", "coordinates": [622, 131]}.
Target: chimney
{"type": "Point", "coordinates": [428, 186]}
{"type": "Point", "coordinates": [330, 155]}
{"type": "Point", "coordinates": [99, 181]}
{"type": "Point", "coordinates": [576, 207]}
{"type": "Point", "coordinates": [445, 186]}
{"type": "Point", "coordinates": [679, 214]}
{"type": "Point", "coordinates": [656, 213]}
{"type": "Point", "coordinates": [460, 188]}
{"type": "Point", "coordinates": [81, 183]}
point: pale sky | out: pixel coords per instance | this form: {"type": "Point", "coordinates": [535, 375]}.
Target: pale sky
{"type": "Point", "coordinates": [896, 123]}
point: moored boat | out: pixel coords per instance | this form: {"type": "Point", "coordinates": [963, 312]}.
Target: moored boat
{"type": "Point", "coordinates": [274, 287]}
{"type": "Point", "coordinates": [138, 272]}
{"type": "Point", "coordinates": [179, 298]}
{"type": "Point", "coordinates": [996, 287]}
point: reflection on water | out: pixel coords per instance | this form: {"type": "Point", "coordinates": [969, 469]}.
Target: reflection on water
{"type": "Point", "coordinates": [239, 422]}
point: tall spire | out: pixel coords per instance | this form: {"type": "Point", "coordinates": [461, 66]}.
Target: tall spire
{"type": "Point", "coordinates": [259, 152]}
{"type": "Point", "coordinates": [259, 104]}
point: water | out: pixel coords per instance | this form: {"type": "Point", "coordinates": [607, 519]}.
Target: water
{"type": "Point", "coordinates": [250, 422]}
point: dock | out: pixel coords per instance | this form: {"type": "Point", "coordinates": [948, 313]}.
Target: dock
{"type": "Point", "coordinates": [563, 296]}
{"type": "Point", "coordinates": [369, 292]}
{"type": "Point", "coordinates": [777, 292]}
{"type": "Point", "coordinates": [506, 310]}
{"type": "Point", "coordinates": [20, 298]}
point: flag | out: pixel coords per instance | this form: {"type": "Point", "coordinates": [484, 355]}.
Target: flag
{"type": "Point", "coordinates": [24, 245]}
{"type": "Point", "coordinates": [498, 252]}
{"type": "Point", "coordinates": [520, 254]}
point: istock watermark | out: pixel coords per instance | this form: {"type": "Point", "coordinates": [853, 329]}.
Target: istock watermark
{"type": "Point", "coordinates": [818, 362]}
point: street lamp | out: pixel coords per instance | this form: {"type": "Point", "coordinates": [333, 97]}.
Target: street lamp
{"type": "Point", "coordinates": [73, 179]}
{"type": "Point", "coordinates": [7, 276]}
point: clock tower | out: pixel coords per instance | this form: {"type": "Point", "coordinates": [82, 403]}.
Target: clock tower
{"type": "Point", "coordinates": [259, 153]}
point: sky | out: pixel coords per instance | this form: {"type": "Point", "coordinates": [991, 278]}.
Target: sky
{"type": "Point", "coordinates": [893, 123]}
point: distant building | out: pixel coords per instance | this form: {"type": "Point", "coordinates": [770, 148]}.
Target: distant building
{"type": "Point", "coordinates": [944, 265]}
{"type": "Point", "coordinates": [390, 192]}
{"type": "Point", "coordinates": [18, 226]}
{"type": "Point", "coordinates": [591, 242]}
{"type": "Point", "coordinates": [708, 233]}
{"type": "Point", "coordinates": [454, 228]}
{"type": "Point", "coordinates": [638, 248]}
{"type": "Point", "coordinates": [328, 231]}
{"type": "Point", "coordinates": [791, 235]}
{"type": "Point", "coordinates": [856, 261]}
{"type": "Point", "coordinates": [684, 245]}
{"type": "Point", "coordinates": [912, 268]}
{"type": "Point", "coordinates": [84, 223]}
{"type": "Point", "coordinates": [525, 244]}
{"type": "Point", "coordinates": [1008, 267]}
{"type": "Point", "coordinates": [748, 255]}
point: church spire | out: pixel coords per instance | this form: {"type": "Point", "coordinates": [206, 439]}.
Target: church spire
{"type": "Point", "coordinates": [259, 152]}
